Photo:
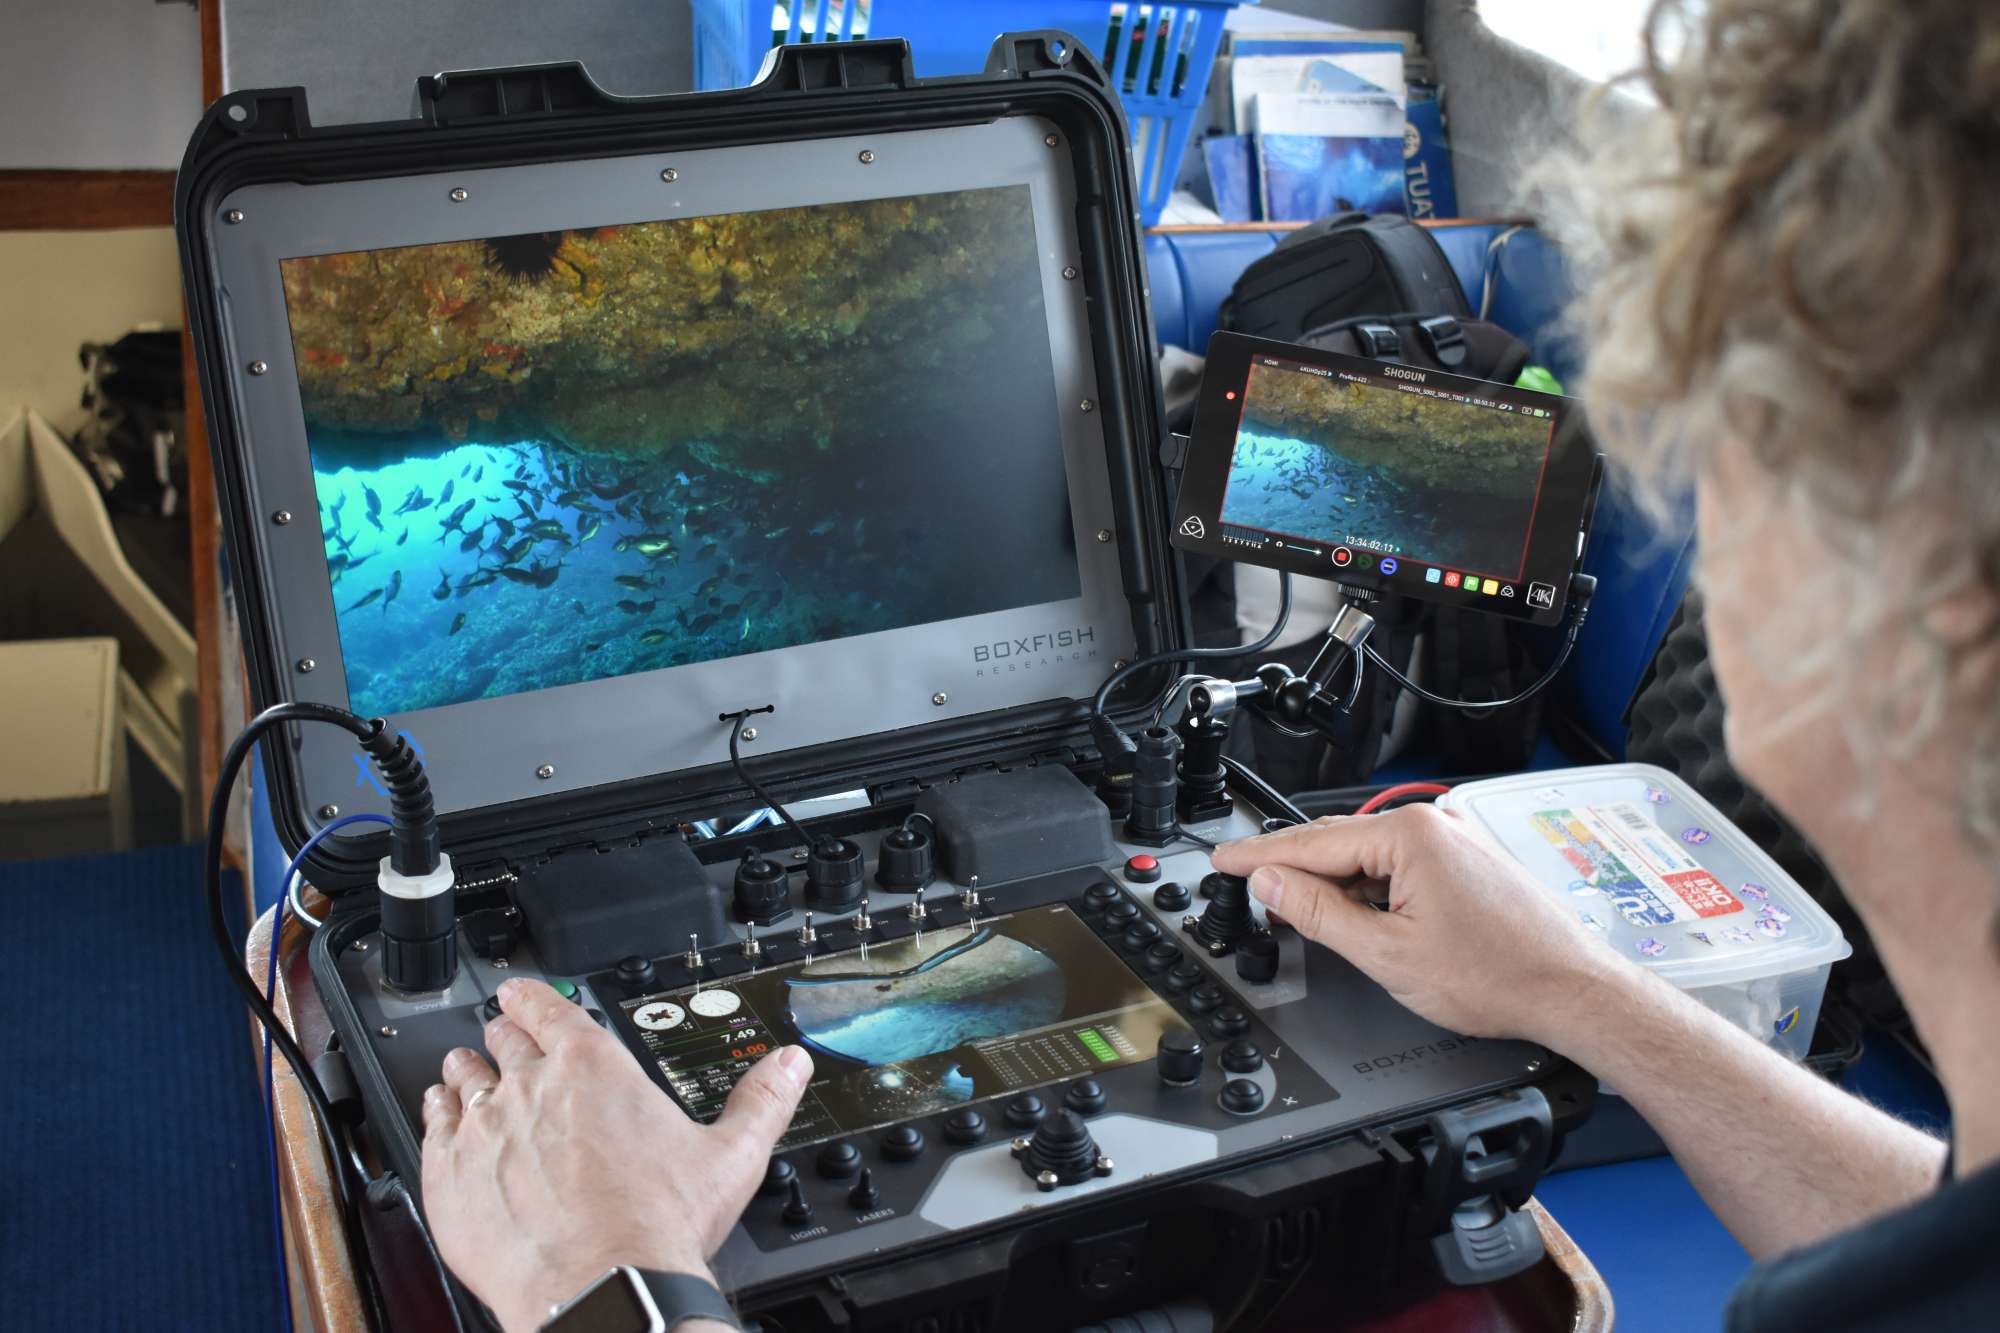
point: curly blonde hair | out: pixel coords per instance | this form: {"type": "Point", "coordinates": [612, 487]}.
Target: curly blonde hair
{"type": "Point", "coordinates": [1801, 252]}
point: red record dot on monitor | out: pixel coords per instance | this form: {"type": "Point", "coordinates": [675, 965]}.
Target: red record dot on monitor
{"type": "Point", "coordinates": [1230, 395]}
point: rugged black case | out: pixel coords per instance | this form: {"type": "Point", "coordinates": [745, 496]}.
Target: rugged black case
{"type": "Point", "coordinates": [542, 113]}
{"type": "Point", "coordinates": [1347, 1202]}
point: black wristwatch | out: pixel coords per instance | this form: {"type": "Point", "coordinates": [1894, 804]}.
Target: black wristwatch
{"type": "Point", "coordinates": [632, 1300]}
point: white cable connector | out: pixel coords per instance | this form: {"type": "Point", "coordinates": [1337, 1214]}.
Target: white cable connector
{"type": "Point", "coordinates": [415, 887]}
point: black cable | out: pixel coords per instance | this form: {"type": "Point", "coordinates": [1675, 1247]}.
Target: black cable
{"type": "Point", "coordinates": [1476, 705]}
{"type": "Point", "coordinates": [239, 972]}
{"type": "Point", "coordinates": [1262, 794]}
{"type": "Point", "coordinates": [736, 760]}
{"type": "Point", "coordinates": [1130, 669]}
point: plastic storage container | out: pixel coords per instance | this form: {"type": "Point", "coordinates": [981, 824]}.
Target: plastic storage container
{"type": "Point", "coordinates": [1674, 886]}
{"type": "Point", "coordinates": [1161, 54]}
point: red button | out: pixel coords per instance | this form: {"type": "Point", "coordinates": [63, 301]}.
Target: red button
{"type": "Point", "coordinates": [1342, 556]}
{"type": "Point", "coordinates": [1142, 869]}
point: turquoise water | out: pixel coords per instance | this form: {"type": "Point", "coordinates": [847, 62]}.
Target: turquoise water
{"type": "Point", "coordinates": [494, 569]}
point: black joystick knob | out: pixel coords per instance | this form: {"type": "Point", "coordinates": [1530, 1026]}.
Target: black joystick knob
{"type": "Point", "coordinates": [1061, 1152]}
{"type": "Point", "coordinates": [965, 1125]}
{"type": "Point", "coordinates": [1257, 958]}
{"type": "Point", "coordinates": [762, 896]}
{"type": "Point", "coordinates": [838, 1160]}
{"type": "Point", "coordinates": [635, 971]}
{"type": "Point", "coordinates": [778, 1177]}
{"type": "Point", "coordinates": [1024, 1111]}
{"type": "Point", "coordinates": [1085, 1097]}
{"type": "Point", "coordinates": [1242, 1057]}
{"type": "Point", "coordinates": [835, 875]}
{"type": "Point", "coordinates": [1204, 786]}
{"type": "Point", "coordinates": [1178, 1058]}
{"type": "Point", "coordinates": [1227, 917]}
{"type": "Point", "coordinates": [797, 1211]}
{"type": "Point", "coordinates": [1242, 1097]}
{"type": "Point", "coordinates": [1155, 787]}
{"type": "Point", "coordinates": [905, 862]}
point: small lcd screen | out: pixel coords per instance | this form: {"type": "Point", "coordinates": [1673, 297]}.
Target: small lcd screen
{"type": "Point", "coordinates": [1387, 467]}
{"type": "Point", "coordinates": [565, 456]}
{"type": "Point", "coordinates": [914, 1026]}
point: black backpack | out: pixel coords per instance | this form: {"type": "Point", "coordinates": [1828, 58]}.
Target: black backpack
{"type": "Point", "coordinates": [1382, 288]}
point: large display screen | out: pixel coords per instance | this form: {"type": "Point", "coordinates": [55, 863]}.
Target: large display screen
{"type": "Point", "coordinates": [1388, 477]}
{"type": "Point", "coordinates": [560, 457]}
{"type": "Point", "coordinates": [914, 1026]}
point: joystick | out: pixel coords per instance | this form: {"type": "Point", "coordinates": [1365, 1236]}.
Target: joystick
{"type": "Point", "coordinates": [1155, 787]}
{"type": "Point", "coordinates": [905, 863]}
{"type": "Point", "coordinates": [1227, 917]}
{"type": "Point", "coordinates": [761, 896]}
{"type": "Point", "coordinates": [1061, 1152]}
{"type": "Point", "coordinates": [1204, 785]}
{"type": "Point", "coordinates": [835, 875]}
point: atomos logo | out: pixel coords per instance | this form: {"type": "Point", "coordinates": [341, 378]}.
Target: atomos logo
{"type": "Point", "coordinates": [1399, 373]}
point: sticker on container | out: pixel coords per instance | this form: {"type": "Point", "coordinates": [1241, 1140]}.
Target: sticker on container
{"type": "Point", "coordinates": [1650, 947]}
{"type": "Point", "coordinates": [1701, 937]}
{"type": "Point", "coordinates": [1590, 919]}
{"type": "Point", "coordinates": [1582, 888]}
{"type": "Point", "coordinates": [1785, 1021]}
{"type": "Point", "coordinates": [1771, 926]}
{"type": "Point", "coordinates": [1773, 912]}
{"type": "Point", "coordinates": [1738, 935]}
{"type": "Point", "coordinates": [1694, 837]}
{"type": "Point", "coordinates": [1622, 853]}
{"type": "Point", "coordinates": [1659, 797]}
{"type": "Point", "coordinates": [1756, 891]}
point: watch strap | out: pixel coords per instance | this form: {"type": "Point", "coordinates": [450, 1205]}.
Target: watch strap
{"type": "Point", "coordinates": [683, 1296]}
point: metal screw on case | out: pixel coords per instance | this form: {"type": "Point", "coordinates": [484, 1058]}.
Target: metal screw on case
{"type": "Point", "coordinates": [458, 195]}
{"type": "Point", "coordinates": [1104, 534]}
{"type": "Point", "coordinates": [1069, 271]}
{"type": "Point", "coordinates": [386, 1030]}
{"type": "Point", "coordinates": [940, 698]}
{"type": "Point", "coordinates": [867, 156]}
{"type": "Point", "coordinates": [546, 771]}
{"type": "Point", "coordinates": [1089, 406]}
{"type": "Point", "coordinates": [259, 367]}
{"type": "Point", "coordinates": [328, 811]}
{"type": "Point", "coordinates": [233, 216]}
{"type": "Point", "coordinates": [306, 664]}
{"type": "Point", "coordinates": [361, 946]}
{"type": "Point", "coordinates": [670, 175]}
{"type": "Point", "coordinates": [1051, 140]}
{"type": "Point", "coordinates": [749, 734]}
{"type": "Point", "coordinates": [282, 517]}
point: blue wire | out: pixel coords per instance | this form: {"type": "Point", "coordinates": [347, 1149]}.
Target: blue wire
{"type": "Point", "coordinates": [270, 1092]}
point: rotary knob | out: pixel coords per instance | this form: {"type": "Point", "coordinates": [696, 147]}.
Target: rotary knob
{"type": "Point", "coordinates": [1178, 1057]}
{"type": "Point", "coordinates": [1257, 958]}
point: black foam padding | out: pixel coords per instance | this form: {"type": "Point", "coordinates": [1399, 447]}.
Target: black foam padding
{"type": "Point", "coordinates": [1005, 826]}
{"type": "Point", "coordinates": [585, 909]}
{"type": "Point", "coordinates": [1675, 723]}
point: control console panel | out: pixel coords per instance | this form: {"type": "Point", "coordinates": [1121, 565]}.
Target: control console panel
{"type": "Point", "coordinates": [982, 1051]}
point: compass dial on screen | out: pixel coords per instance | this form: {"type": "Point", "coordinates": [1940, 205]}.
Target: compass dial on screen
{"type": "Point", "coordinates": [660, 1016]}
{"type": "Point", "coordinates": [715, 1003]}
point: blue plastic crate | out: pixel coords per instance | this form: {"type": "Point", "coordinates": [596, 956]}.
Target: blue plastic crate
{"type": "Point", "coordinates": [1160, 54]}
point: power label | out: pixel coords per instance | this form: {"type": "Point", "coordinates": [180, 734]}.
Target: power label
{"type": "Point", "coordinates": [1618, 851]}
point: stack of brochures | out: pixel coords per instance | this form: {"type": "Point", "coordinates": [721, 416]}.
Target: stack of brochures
{"type": "Point", "coordinates": [1328, 121]}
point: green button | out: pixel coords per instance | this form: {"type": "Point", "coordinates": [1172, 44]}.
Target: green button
{"type": "Point", "coordinates": [566, 989]}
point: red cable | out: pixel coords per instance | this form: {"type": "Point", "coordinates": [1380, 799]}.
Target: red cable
{"type": "Point", "coordinates": [1401, 789]}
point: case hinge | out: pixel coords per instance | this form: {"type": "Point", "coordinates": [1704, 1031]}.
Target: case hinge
{"type": "Point", "coordinates": [1174, 452]}
{"type": "Point", "coordinates": [1482, 1160]}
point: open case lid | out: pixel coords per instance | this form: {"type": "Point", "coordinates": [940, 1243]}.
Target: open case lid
{"type": "Point", "coordinates": [551, 425]}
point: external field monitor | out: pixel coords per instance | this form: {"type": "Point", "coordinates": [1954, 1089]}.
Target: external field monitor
{"type": "Point", "coordinates": [1388, 478]}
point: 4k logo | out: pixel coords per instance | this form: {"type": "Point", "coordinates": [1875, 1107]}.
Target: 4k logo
{"type": "Point", "coordinates": [1192, 526]}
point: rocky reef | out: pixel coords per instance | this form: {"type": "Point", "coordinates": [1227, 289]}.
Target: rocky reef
{"type": "Point", "coordinates": [722, 336]}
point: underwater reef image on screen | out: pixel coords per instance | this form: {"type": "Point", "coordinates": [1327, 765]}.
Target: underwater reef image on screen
{"type": "Point", "coordinates": [560, 457]}
{"type": "Point", "coordinates": [1338, 461]}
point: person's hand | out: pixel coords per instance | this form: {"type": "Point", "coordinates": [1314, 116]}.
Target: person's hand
{"type": "Point", "coordinates": [569, 1159]}
{"type": "Point", "coordinates": [1470, 940]}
